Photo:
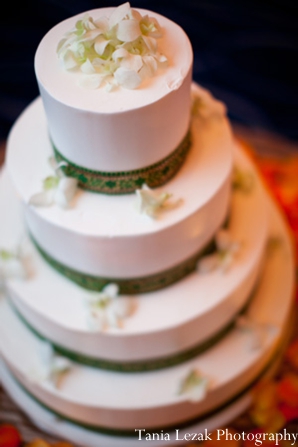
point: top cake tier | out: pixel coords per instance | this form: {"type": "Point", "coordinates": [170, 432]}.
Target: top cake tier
{"type": "Point", "coordinates": [118, 126]}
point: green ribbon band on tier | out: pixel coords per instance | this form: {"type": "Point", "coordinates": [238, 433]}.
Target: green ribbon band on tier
{"type": "Point", "coordinates": [128, 433]}
{"type": "Point", "coordinates": [125, 182]}
{"type": "Point", "coordinates": [129, 286]}
{"type": "Point", "coordinates": [141, 365]}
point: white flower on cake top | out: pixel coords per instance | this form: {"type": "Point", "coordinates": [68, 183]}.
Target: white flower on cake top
{"type": "Point", "coordinates": [117, 50]}
{"type": "Point", "coordinates": [57, 188]}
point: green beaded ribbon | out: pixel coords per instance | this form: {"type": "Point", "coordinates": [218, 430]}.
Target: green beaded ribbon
{"type": "Point", "coordinates": [129, 433]}
{"type": "Point", "coordinates": [134, 366]}
{"type": "Point", "coordinates": [152, 364]}
{"type": "Point", "coordinates": [129, 286]}
{"type": "Point", "coordinates": [125, 182]}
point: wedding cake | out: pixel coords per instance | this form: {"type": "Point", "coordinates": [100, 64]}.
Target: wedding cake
{"type": "Point", "coordinates": [147, 274]}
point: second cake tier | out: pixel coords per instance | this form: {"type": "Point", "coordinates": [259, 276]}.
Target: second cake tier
{"type": "Point", "coordinates": [102, 239]}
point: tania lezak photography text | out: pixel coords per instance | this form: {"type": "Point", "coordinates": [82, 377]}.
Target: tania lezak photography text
{"type": "Point", "coordinates": [217, 435]}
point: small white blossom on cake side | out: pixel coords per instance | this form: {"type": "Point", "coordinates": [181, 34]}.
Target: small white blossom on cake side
{"type": "Point", "coordinates": [52, 368]}
{"type": "Point", "coordinates": [195, 386]}
{"type": "Point", "coordinates": [257, 332]}
{"type": "Point", "coordinates": [222, 259]}
{"type": "Point", "coordinates": [13, 264]}
{"type": "Point", "coordinates": [107, 309]}
{"type": "Point", "coordinates": [151, 202]}
{"type": "Point", "coordinates": [57, 188]}
{"type": "Point", "coordinates": [120, 50]}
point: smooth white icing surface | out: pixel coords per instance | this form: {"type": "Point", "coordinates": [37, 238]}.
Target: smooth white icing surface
{"type": "Point", "coordinates": [105, 235]}
{"type": "Point", "coordinates": [166, 321]}
{"type": "Point", "coordinates": [123, 129]}
{"type": "Point", "coordinates": [91, 395]}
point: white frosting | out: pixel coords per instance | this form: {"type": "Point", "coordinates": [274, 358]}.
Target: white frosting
{"type": "Point", "coordinates": [45, 420]}
{"type": "Point", "coordinates": [123, 129]}
{"type": "Point", "coordinates": [91, 395]}
{"type": "Point", "coordinates": [96, 235]}
{"type": "Point", "coordinates": [165, 322]}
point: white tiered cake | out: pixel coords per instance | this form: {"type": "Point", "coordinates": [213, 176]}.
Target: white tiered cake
{"type": "Point", "coordinates": [133, 310]}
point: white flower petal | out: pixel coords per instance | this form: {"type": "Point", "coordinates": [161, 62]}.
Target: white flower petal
{"type": "Point", "coordinates": [91, 35]}
{"type": "Point", "coordinates": [36, 375]}
{"type": "Point", "coordinates": [102, 24]}
{"type": "Point", "coordinates": [61, 364]}
{"type": "Point", "coordinates": [127, 78]}
{"type": "Point", "coordinates": [68, 185]}
{"type": "Point", "coordinates": [128, 30]}
{"type": "Point", "coordinates": [110, 86]}
{"type": "Point", "coordinates": [119, 14]}
{"type": "Point", "coordinates": [208, 263]}
{"type": "Point", "coordinates": [91, 82]}
{"type": "Point", "coordinates": [95, 323]}
{"type": "Point", "coordinates": [151, 202]}
{"type": "Point", "coordinates": [111, 290]}
{"type": "Point", "coordinates": [150, 43]}
{"type": "Point", "coordinates": [195, 386]}
{"type": "Point", "coordinates": [46, 355]}
{"type": "Point", "coordinates": [134, 14]}
{"type": "Point", "coordinates": [161, 58]}
{"type": "Point", "coordinates": [199, 392]}
{"type": "Point", "coordinates": [150, 26]}
{"type": "Point", "coordinates": [60, 199]}
{"type": "Point", "coordinates": [87, 22]}
{"type": "Point", "coordinates": [78, 49]}
{"type": "Point", "coordinates": [87, 67]}
{"type": "Point", "coordinates": [120, 53]}
{"type": "Point", "coordinates": [226, 261]}
{"type": "Point", "coordinates": [15, 268]}
{"type": "Point", "coordinates": [132, 62]}
{"type": "Point", "coordinates": [256, 332]}
{"type": "Point", "coordinates": [53, 163]}
{"type": "Point", "coordinates": [122, 307]}
{"type": "Point", "coordinates": [174, 84]}
{"type": "Point", "coordinates": [112, 319]}
{"type": "Point", "coordinates": [100, 45]}
{"type": "Point", "coordinates": [44, 198]}
{"type": "Point", "coordinates": [68, 60]}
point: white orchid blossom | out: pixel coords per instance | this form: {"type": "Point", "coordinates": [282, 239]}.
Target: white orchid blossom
{"type": "Point", "coordinates": [222, 259]}
{"type": "Point", "coordinates": [13, 264]}
{"type": "Point", "coordinates": [152, 202]}
{"type": "Point", "coordinates": [51, 368]}
{"type": "Point", "coordinates": [119, 50]}
{"type": "Point", "coordinates": [57, 188]}
{"type": "Point", "coordinates": [257, 332]}
{"type": "Point", "coordinates": [107, 309]}
{"type": "Point", "coordinates": [195, 386]}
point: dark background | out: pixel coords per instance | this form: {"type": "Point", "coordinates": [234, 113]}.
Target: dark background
{"type": "Point", "coordinates": [246, 53]}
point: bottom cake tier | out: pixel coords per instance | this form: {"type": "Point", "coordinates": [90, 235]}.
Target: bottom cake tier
{"type": "Point", "coordinates": [100, 408]}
